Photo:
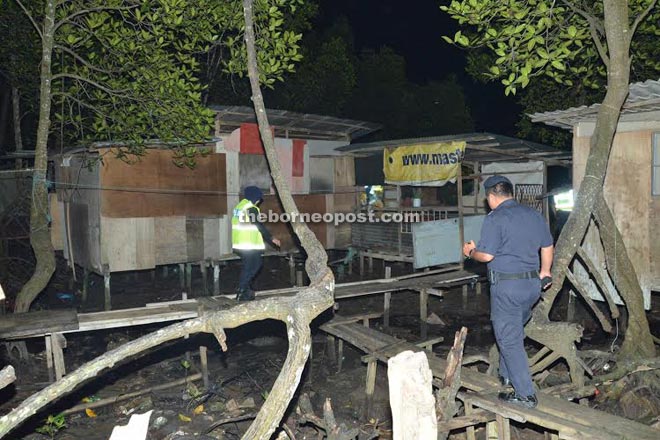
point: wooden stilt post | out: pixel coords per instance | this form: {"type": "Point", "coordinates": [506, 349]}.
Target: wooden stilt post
{"type": "Point", "coordinates": [166, 271]}
{"type": "Point", "coordinates": [465, 296]}
{"type": "Point", "coordinates": [205, 284]}
{"type": "Point", "coordinates": [503, 428]}
{"type": "Point", "coordinates": [423, 312]}
{"type": "Point", "coordinates": [205, 365]}
{"type": "Point", "coordinates": [330, 348]}
{"type": "Point", "coordinates": [292, 269]}
{"type": "Point", "coordinates": [470, 432]}
{"type": "Point", "coordinates": [387, 300]}
{"type": "Point", "coordinates": [49, 358]}
{"type": "Point", "coordinates": [491, 431]}
{"type": "Point", "coordinates": [189, 278]}
{"type": "Point", "coordinates": [216, 278]}
{"type": "Point", "coordinates": [371, 264]}
{"type": "Point", "coordinates": [107, 303]}
{"type": "Point", "coordinates": [58, 342]}
{"type": "Point", "coordinates": [361, 258]}
{"type": "Point", "coordinates": [340, 354]}
{"type": "Point", "coordinates": [478, 288]}
{"type": "Point", "coordinates": [372, 369]}
{"type": "Point", "coordinates": [85, 286]}
{"type": "Point", "coordinates": [299, 278]}
{"type": "Point", "coordinates": [182, 276]}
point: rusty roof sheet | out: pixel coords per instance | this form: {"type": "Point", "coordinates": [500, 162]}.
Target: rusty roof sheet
{"type": "Point", "coordinates": [643, 97]}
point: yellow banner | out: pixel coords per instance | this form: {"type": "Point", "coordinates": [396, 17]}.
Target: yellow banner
{"type": "Point", "coordinates": [423, 164]}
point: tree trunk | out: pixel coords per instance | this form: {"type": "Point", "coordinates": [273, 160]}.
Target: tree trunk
{"type": "Point", "coordinates": [638, 342]}
{"type": "Point", "coordinates": [16, 110]}
{"type": "Point", "coordinates": [618, 77]}
{"type": "Point", "coordinates": [39, 219]}
{"type": "Point", "coordinates": [321, 290]}
{"type": "Point", "coordinates": [618, 35]}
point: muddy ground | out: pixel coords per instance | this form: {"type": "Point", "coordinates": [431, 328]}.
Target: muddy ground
{"type": "Point", "coordinates": [240, 379]}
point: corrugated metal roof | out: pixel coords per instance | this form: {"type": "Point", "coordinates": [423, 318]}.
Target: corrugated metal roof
{"type": "Point", "coordinates": [643, 97]}
{"type": "Point", "coordinates": [480, 147]}
{"type": "Point", "coordinates": [292, 125]}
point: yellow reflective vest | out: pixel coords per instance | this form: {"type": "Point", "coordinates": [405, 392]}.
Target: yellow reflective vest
{"type": "Point", "coordinates": [245, 235]}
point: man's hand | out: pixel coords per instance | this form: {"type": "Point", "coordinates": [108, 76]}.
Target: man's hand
{"type": "Point", "coordinates": [276, 242]}
{"type": "Point", "coordinates": [546, 279]}
{"type": "Point", "coordinates": [467, 248]}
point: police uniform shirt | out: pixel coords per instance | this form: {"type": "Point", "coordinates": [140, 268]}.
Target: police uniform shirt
{"type": "Point", "coordinates": [513, 234]}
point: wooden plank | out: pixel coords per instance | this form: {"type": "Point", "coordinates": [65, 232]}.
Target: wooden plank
{"type": "Point", "coordinates": [49, 357]}
{"type": "Point", "coordinates": [58, 342]}
{"type": "Point", "coordinates": [43, 321]}
{"type": "Point", "coordinates": [569, 429]}
{"type": "Point", "coordinates": [476, 417]}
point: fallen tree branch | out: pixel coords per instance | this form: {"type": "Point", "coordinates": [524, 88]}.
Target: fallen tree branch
{"type": "Point", "coordinates": [122, 397]}
{"type": "Point", "coordinates": [626, 369]}
{"type": "Point", "coordinates": [328, 423]}
{"type": "Point", "coordinates": [224, 421]}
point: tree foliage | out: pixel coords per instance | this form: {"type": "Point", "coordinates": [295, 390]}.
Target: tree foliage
{"type": "Point", "coordinates": [563, 40]}
{"type": "Point", "coordinates": [129, 71]}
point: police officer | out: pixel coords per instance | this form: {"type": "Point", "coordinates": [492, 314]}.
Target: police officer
{"type": "Point", "coordinates": [511, 237]}
{"type": "Point", "coordinates": [248, 236]}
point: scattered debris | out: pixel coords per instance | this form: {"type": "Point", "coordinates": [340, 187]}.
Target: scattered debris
{"type": "Point", "coordinates": [434, 319]}
{"type": "Point", "coordinates": [136, 429]}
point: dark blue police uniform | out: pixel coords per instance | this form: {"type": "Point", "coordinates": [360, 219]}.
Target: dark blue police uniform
{"type": "Point", "coordinates": [513, 234]}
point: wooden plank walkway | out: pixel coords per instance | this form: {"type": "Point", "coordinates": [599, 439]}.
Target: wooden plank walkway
{"type": "Point", "coordinates": [569, 420]}
{"type": "Point", "coordinates": [37, 324]}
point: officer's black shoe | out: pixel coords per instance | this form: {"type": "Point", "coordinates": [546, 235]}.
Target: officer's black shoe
{"type": "Point", "coordinates": [245, 295]}
{"type": "Point", "coordinates": [513, 397]}
{"type": "Point", "coordinates": [505, 381]}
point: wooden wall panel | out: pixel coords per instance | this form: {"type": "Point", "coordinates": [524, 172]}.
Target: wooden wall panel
{"type": "Point", "coordinates": [211, 238]}
{"type": "Point", "coordinates": [654, 241]}
{"type": "Point", "coordinates": [84, 221]}
{"type": "Point", "coordinates": [344, 171]}
{"type": "Point", "coordinates": [308, 203]}
{"type": "Point", "coordinates": [627, 191]}
{"type": "Point", "coordinates": [128, 243]}
{"type": "Point", "coordinates": [170, 240]}
{"type": "Point", "coordinates": [149, 181]}
{"type": "Point", "coordinates": [195, 239]}
{"type": "Point", "coordinates": [57, 231]}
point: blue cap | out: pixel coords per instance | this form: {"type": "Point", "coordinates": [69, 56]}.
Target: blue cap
{"type": "Point", "coordinates": [494, 180]}
{"type": "Point", "coordinates": [253, 194]}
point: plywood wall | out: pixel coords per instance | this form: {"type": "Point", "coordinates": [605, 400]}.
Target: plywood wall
{"type": "Point", "coordinates": [310, 203]}
{"type": "Point", "coordinates": [78, 186]}
{"type": "Point", "coordinates": [654, 242]}
{"type": "Point", "coordinates": [627, 191]}
{"type": "Point", "coordinates": [156, 187]}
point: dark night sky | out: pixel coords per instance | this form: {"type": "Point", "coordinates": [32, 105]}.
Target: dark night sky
{"type": "Point", "coordinates": [414, 29]}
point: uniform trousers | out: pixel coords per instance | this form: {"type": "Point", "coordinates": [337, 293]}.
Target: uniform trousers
{"type": "Point", "coordinates": [511, 303]}
{"type": "Point", "coordinates": [251, 262]}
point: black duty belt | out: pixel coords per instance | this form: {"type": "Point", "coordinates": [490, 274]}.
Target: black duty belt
{"type": "Point", "coordinates": [494, 277]}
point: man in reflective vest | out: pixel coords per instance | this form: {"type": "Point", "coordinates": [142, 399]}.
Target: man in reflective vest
{"type": "Point", "coordinates": [248, 236]}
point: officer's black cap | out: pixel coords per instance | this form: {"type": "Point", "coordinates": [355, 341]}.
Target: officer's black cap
{"type": "Point", "coordinates": [494, 180]}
